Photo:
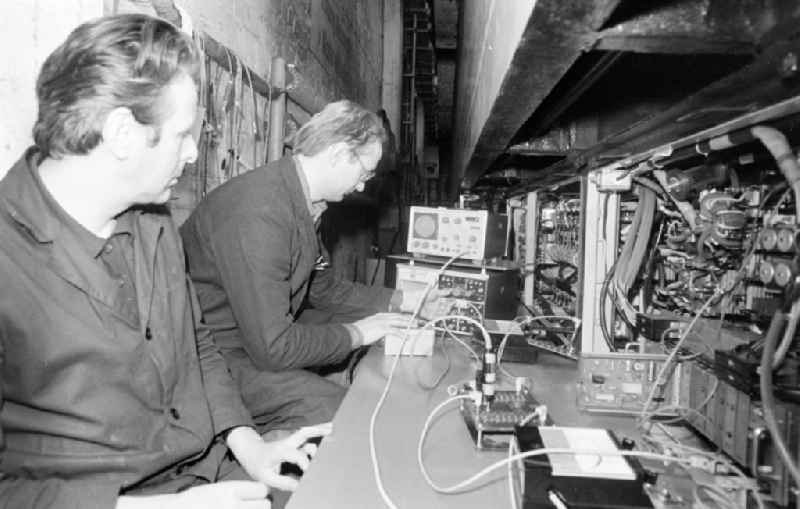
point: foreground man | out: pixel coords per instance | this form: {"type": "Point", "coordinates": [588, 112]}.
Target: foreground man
{"type": "Point", "coordinates": [258, 266]}
{"type": "Point", "coordinates": [109, 395]}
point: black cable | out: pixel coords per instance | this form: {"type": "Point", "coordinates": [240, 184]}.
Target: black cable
{"type": "Point", "coordinates": [527, 308]}
{"type": "Point", "coordinates": [772, 192]}
{"type": "Point", "coordinates": [603, 293]}
{"type": "Point", "coordinates": [375, 272]}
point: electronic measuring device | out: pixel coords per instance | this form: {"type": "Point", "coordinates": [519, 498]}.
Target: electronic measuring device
{"type": "Point", "coordinates": [473, 293]}
{"type": "Point", "coordinates": [471, 234]}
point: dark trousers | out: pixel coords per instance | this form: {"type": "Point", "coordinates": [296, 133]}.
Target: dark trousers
{"type": "Point", "coordinates": [290, 399]}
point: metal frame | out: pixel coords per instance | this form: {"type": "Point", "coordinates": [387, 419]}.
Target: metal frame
{"type": "Point", "coordinates": [601, 238]}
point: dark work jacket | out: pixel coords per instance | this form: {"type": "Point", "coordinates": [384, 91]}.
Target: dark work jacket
{"type": "Point", "coordinates": [252, 248]}
{"type": "Point", "coordinates": [90, 407]}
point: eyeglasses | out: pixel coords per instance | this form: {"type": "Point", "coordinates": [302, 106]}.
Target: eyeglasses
{"type": "Point", "coordinates": [365, 173]}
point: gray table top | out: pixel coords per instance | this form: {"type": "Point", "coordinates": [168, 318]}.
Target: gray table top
{"type": "Point", "coordinates": [341, 475]}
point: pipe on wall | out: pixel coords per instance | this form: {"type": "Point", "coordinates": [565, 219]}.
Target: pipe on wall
{"type": "Point", "coordinates": [277, 112]}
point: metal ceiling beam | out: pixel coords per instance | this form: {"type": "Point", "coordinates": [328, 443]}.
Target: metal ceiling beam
{"type": "Point", "coordinates": [558, 32]}
{"type": "Point", "coordinates": [545, 117]}
{"type": "Point", "coordinates": [764, 82]}
{"type": "Point", "coordinates": [667, 44]}
{"type": "Point", "coordinates": [688, 27]}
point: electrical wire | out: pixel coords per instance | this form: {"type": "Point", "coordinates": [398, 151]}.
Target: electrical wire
{"type": "Point", "coordinates": [438, 379]}
{"type": "Point", "coordinates": [430, 323]}
{"type": "Point", "coordinates": [374, 417]}
{"type": "Point", "coordinates": [717, 459]}
{"type": "Point", "coordinates": [788, 335]}
{"type": "Point", "coordinates": [671, 357]}
{"type": "Point", "coordinates": [455, 488]}
{"type": "Point", "coordinates": [719, 497]}
{"type": "Point", "coordinates": [607, 335]}
{"type": "Point", "coordinates": [511, 491]}
{"type": "Point", "coordinates": [463, 343]}
{"type": "Point", "coordinates": [501, 348]}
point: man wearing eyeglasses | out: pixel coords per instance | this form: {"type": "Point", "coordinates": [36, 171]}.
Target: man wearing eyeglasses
{"type": "Point", "coordinates": [257, 264]}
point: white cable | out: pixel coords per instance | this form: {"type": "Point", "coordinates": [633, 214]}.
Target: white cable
{"type": "Point", "coordinates": [538, 452]}
{"type": "Point", "coordinates": [511, 491]}
{"type": "Point", "coordinates": [534, 452]}
{"type": "Point", "coordinates": [487, 340]}
{"type": "Point", "coordinates": [718, 459]}
{"type": "Point", "coordinates": [372, 451]}
{"type": "Point", "coordinates": [373, 418]}
{"type": "Point", "coordinates": [463, 343]}
{"type": "Point", "coordinates": [788, 335]}
{"type": "Point", "coordinates": [501, 348]}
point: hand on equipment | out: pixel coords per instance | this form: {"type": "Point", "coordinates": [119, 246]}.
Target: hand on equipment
{"type": "Point", "coordinates": [431, 308]}
{"type": "Point", "coordinates": [375, 327]}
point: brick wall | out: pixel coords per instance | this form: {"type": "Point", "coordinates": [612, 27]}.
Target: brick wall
{"type": "Point", "coordinates": [29, 31]}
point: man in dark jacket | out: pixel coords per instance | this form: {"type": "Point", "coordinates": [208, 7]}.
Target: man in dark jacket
{"type": "Point", "coordinates": [257, 263]}
{"type": "Point", "coordinates": [112, 393]}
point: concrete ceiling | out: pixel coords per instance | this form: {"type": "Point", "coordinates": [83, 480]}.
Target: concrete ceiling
{"type": "Point", "coordinates": [601, 66]}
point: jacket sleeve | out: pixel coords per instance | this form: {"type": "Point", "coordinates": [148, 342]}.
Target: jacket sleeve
{"type": "Point", "coordinates": [18, 492]}
{"type": "Point", "coordinates": [227, 408]}
{"type": "Point", "coordinates": [331, 293]}
{"type": "Point", "coordinates": [254, 263]}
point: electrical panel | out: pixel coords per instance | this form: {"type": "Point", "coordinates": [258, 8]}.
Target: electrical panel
{"type": "Point", "coordinates": [733, 420]}
{"type": "Point", "coordinates": [547, 240]}
{"type": "Point", "coordinates": [713, 238]}
{"type": "Point", "coordinates": [558, 255]}
{"type": "Point", "coordinates": [692, 267]}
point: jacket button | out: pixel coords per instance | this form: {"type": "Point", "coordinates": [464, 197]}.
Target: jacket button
{"type": "Point", "coordinates": [148, 334]}
{"type": "Point", "coordinates": [174, 413]}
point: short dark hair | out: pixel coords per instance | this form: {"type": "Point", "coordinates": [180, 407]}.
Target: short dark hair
{"type": "Point", "coordinates": [116, 61]}
{"type": "Point", "coordinates": [340, 121]}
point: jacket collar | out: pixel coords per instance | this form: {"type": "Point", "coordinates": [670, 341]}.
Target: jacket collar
{"type": "Point", "coordinates": [28, 201]}
{"type": "Point", "coordinates": [31, 206]}
{"type": "Point", "coordinates": [314, 208]}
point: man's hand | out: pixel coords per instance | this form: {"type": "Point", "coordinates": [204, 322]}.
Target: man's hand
{"type": "Point", "coordinates": [221, 495]}
{"type": "Point", "coordinates": [433, 306]}
{"type": "Point", "coordinates": [262, 460]}
{"type": "Point", "coordinates": [375, 327]}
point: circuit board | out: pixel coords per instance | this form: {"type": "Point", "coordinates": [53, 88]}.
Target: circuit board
{"type": "Point", "coordinates": [619, 383]}
{"type": "Point", "coordinates": [492, 426]}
